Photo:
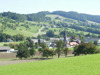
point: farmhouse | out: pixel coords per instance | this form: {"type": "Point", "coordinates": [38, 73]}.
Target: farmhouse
{"type": "Point", "coordinates": [72, 44]}
{"type": "Point", "coordinates": [4, 49]}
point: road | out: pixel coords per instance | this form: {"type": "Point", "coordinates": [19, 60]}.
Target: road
{"type": "Point", "coordinates": [38, 32]}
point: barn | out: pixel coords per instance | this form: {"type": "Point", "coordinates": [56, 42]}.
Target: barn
{"type": "Point", "coordinates": [4, 49]}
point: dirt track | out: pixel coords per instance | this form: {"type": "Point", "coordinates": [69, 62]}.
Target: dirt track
{"type": "Point", "coordinates": [8, 62]}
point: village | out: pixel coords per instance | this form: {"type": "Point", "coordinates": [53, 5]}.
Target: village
{"type": "Point", "coordinates": [51, 43]}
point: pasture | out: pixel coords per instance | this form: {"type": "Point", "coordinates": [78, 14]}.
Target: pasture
{"type": "Point", "coordinates": [80, 65]}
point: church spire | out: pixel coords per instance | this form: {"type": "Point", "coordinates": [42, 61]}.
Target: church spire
{"type": "Point", "coordinates": [65, 38]}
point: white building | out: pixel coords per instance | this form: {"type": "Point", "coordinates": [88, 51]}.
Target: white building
{"type": "Point", "coordinates": [98, 42]}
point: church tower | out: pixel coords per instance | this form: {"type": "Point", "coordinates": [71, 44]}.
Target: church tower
{"type": "Point", "coordinates": [65, 36]}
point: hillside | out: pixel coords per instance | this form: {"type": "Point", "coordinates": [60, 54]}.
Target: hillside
{"type": "Point", "coordinates": [80, 65]}
{"type": "Point", "coordinates": [78, 16]}
{"type": "Point", "coordinates": [13, 27]}
{"type": "Point", "coordinates": [29, 24]}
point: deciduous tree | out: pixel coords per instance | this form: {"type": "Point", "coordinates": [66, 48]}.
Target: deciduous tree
{"type": "Point", "coordinates": [59, 45]}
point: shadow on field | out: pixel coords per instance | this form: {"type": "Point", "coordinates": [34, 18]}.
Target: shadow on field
{"type": "Point", "coordinates": [40, 58]}
{"type": "Point", "coordinates": [33, 59]}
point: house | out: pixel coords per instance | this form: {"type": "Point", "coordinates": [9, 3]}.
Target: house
{"type": "Point", "coordinates": [77, 40]}
{"type": "Point", "coordinates": [4, 49]}
{"type": "Point", "coordinates": [9, 40]}
{"type": "Point", "coordinates": [98, 42]}
{"type": "Point", "coordinates": [52, 45]}
{"type": "Point", "coordinates": [34, 40]}
{"type": "Point", "coordinates": [72, 44]}
{"type": "Point", "coordinates": [42, 40]}
{"type": "Point", "coordinates": [54, 39]}
{"type": "Point", "coordinates": [48, 43]}
{"type": "Point", "coordinates": [89, 39]}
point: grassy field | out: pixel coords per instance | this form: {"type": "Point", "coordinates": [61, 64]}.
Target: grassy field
{"type": "Point", "coordinates": [1, 44]}
{"type": "Point", "coordinates": [81, 65]}
{"type": "Point", "coordinates": [22, 30]}
{"type": "Point", "coordinates": [98, 47]}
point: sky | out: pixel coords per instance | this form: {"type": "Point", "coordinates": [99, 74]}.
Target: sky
{"type": "Point", "coordinates": [34, 6]}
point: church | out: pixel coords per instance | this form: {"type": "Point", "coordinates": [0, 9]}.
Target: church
{"type": "Point", "coordinates": [70, 44]}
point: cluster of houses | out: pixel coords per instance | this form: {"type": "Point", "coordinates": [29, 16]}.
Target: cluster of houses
{"type": "Point", "coordinates": [76, 41]}
{"type": "Point", "coordinates": [51, 43]}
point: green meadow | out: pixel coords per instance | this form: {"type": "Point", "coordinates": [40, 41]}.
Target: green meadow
{"type": "Point", "coordinates": [1, 44]}
{"type": "Point", "coordinates": [22, 30]}
{"type": "Point", "coordinates": [80, 65]}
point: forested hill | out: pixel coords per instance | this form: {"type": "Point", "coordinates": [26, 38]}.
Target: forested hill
{"type": "Point", "coordinates": [40, 16]}
{"type": "Point", "coordinates": [23, 17]}
{"type": "Point", "coordinates": [78, 16]}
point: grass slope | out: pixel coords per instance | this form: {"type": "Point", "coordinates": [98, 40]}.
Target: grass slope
{"type": "Point", "coordinates": [12, 27]}
{"type": "Point", "coordinates": [81, 65]}
{"type": "Point", "coordinates": [22, 30]}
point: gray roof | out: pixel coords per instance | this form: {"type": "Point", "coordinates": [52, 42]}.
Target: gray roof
{"type": "Point", "coordinates": [91, 39]}
{"type": "Point", "coordinates": [4, 48]}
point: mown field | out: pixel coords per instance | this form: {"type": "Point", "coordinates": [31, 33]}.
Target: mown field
{"type": "Point", "coordinates": [80, 65]}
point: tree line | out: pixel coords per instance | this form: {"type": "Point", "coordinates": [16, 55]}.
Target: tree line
{"type": "Point", "coordinates": [41, 16]}
{"type": "Point", "coordinates": [23, 17]}
{"type": "Point", "coordinates": [27, 49]}
{"type": "Point", "coordinates": [17, 37]}
{"type": "Point", "coordinates": [78, 16]}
